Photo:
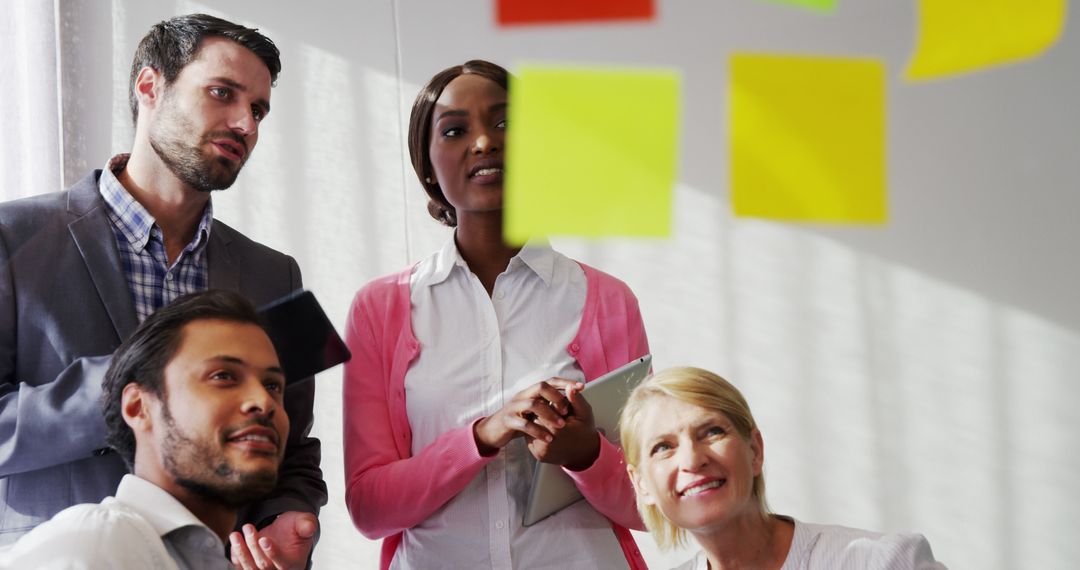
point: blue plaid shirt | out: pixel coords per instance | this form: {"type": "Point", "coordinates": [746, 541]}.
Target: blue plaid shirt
{"type": "Point", "coordinates": [152, 282]}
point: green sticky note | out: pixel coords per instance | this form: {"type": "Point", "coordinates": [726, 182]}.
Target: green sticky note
{"type": "Point", "coordinates": [807, 138]}
{"type": "Point", "coordinates": [958, 36]}
{"type": "Point", "coordinates": [821, 5]}
{"type": "Point", "coordinates": [590, 152]}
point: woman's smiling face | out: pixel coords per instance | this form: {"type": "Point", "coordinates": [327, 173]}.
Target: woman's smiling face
{"type": "Point", "coordinates": [466, 147]}
{"type": "Point", "coordinates": [694, 466]}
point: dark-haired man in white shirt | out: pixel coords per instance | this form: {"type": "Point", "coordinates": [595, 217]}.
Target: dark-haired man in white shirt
{"type": "Point", "coordinates": [193, 403]}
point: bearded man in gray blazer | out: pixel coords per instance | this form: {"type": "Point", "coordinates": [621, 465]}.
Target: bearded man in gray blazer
{"type": "Point", "coordinates": [80, 269]}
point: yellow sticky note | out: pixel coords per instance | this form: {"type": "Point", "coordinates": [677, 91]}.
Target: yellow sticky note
{"type": "Point", "coordinates": [590, 152]}
{"type": "Point", "coordinates": [957, 36]}
{"type": "Point", "coordinates": [807, 138]}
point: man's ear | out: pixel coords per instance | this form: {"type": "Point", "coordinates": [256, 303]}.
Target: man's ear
{"type": "Point", "coordinates": [644, 497]}
{"type": "Point", "coordinates": [135, 407]}
{"type": "Point", "coordinates": [149, 87]}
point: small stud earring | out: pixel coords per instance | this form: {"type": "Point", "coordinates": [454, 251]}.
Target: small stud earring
{"type": "Point", "coordinates": [427, 179]}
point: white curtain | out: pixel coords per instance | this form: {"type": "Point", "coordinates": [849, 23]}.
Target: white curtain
{"type": "Point", "coordinates": [30, 158]}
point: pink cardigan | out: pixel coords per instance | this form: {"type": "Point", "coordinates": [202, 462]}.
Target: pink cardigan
{"type": "Point", "coordinates": [387, 489]}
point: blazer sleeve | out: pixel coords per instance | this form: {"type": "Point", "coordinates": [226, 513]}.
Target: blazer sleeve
{"type": "Point", "coordinates": [34, 412]}
{"type": "Point", "coordinates": [387, 489]}
{"type": "Point", "coordinates": [606, 483]}
{"type": "Point", "coordinates": [29, 414]}
{"type": "Point", "coordinates": [300, 480]}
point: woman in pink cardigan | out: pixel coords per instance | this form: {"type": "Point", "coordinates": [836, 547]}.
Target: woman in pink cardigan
{"type": "Point", "coordinates": [446, 406]}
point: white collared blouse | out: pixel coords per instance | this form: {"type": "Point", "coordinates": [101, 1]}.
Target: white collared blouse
{"type": "Point", "coordinates": [478, 352]}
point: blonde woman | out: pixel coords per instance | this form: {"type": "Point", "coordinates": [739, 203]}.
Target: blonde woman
{"type": "Point", "coordinates": [695, 456]}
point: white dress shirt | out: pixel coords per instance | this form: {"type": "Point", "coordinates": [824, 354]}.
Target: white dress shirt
{"type": "Point", "coordinates": [830, 547]}
{"type": "Point", "coordinates": [476, 353]}
{"type": "Point", "coordinates": [141, 527]}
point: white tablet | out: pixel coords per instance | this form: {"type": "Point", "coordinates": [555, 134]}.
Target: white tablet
{"type": "Point", "coordinates": [552, 489]}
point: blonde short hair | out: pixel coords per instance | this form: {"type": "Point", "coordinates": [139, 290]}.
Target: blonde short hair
{"type": "Point", "coordinates": [693, 386]}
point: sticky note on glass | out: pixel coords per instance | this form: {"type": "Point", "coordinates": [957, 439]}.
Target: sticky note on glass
{"type": "Point", "coordinates": [958, 36]}
{"type": "Point", "coordinates": [807, 138]}
{"type": "Point", "coordinates": [821, 5]}
{"type": "Point", "coordinates": [590, 152]}
{"type": "Point", "coordinates": [524, 12]}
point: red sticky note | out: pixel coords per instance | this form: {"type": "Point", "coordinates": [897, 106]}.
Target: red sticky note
{"type": "Point", "coordinates": [519, 12]}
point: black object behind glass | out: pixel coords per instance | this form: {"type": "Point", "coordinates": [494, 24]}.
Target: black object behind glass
{"type": "Point", "coordinates": [303, 336]}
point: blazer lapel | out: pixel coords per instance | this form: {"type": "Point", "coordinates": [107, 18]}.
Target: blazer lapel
{"type": "Point", "coordinates": [97, 245]}
{"type": "Point", "coordinates": [222, 271]}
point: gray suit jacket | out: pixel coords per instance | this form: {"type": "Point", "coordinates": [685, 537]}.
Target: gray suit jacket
{"type": "Point", "coordinates": [64, 308]}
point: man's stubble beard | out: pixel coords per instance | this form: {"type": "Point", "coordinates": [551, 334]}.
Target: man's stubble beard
{"type": "Point", "coordinates": [168, 136]}
{"type": "Point", "coordinates": [199, 467]}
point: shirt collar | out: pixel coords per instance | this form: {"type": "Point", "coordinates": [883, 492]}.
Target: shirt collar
{"type": "Point", "coordinates": [445, 260]}
{"type": "Point", "coordinates": [537, 255]}
{"type": "Point", "coordinates": [134, 222]}
{"type": "Point", "coordinates": [156, 505]}
{"type": "Point", "coordinates": [801, 540]}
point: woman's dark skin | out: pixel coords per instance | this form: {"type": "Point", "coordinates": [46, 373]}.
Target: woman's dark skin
{"type": "Point", "coordinates": [468, 131]}
{"type": "Point", "coordinates": [466, 151]}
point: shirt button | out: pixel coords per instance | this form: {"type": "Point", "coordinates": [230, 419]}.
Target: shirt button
{"type": "Point", "coordinates": [499, 525]}
{"type": "Point", "coordinates": [575, 347]}
{"type": "Point", "coordinates": [168, 276]}
{"type": "Point", "coordinates": [501, 295]}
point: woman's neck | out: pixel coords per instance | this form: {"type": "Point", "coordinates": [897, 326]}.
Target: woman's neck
{"type": "Point", "coordinates": [480, 242]}
{"type": "Point", "coordinates": [752, 542]}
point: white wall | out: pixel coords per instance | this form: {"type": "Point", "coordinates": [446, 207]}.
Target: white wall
{"type": "Point", "coordinates": [921, 375]}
